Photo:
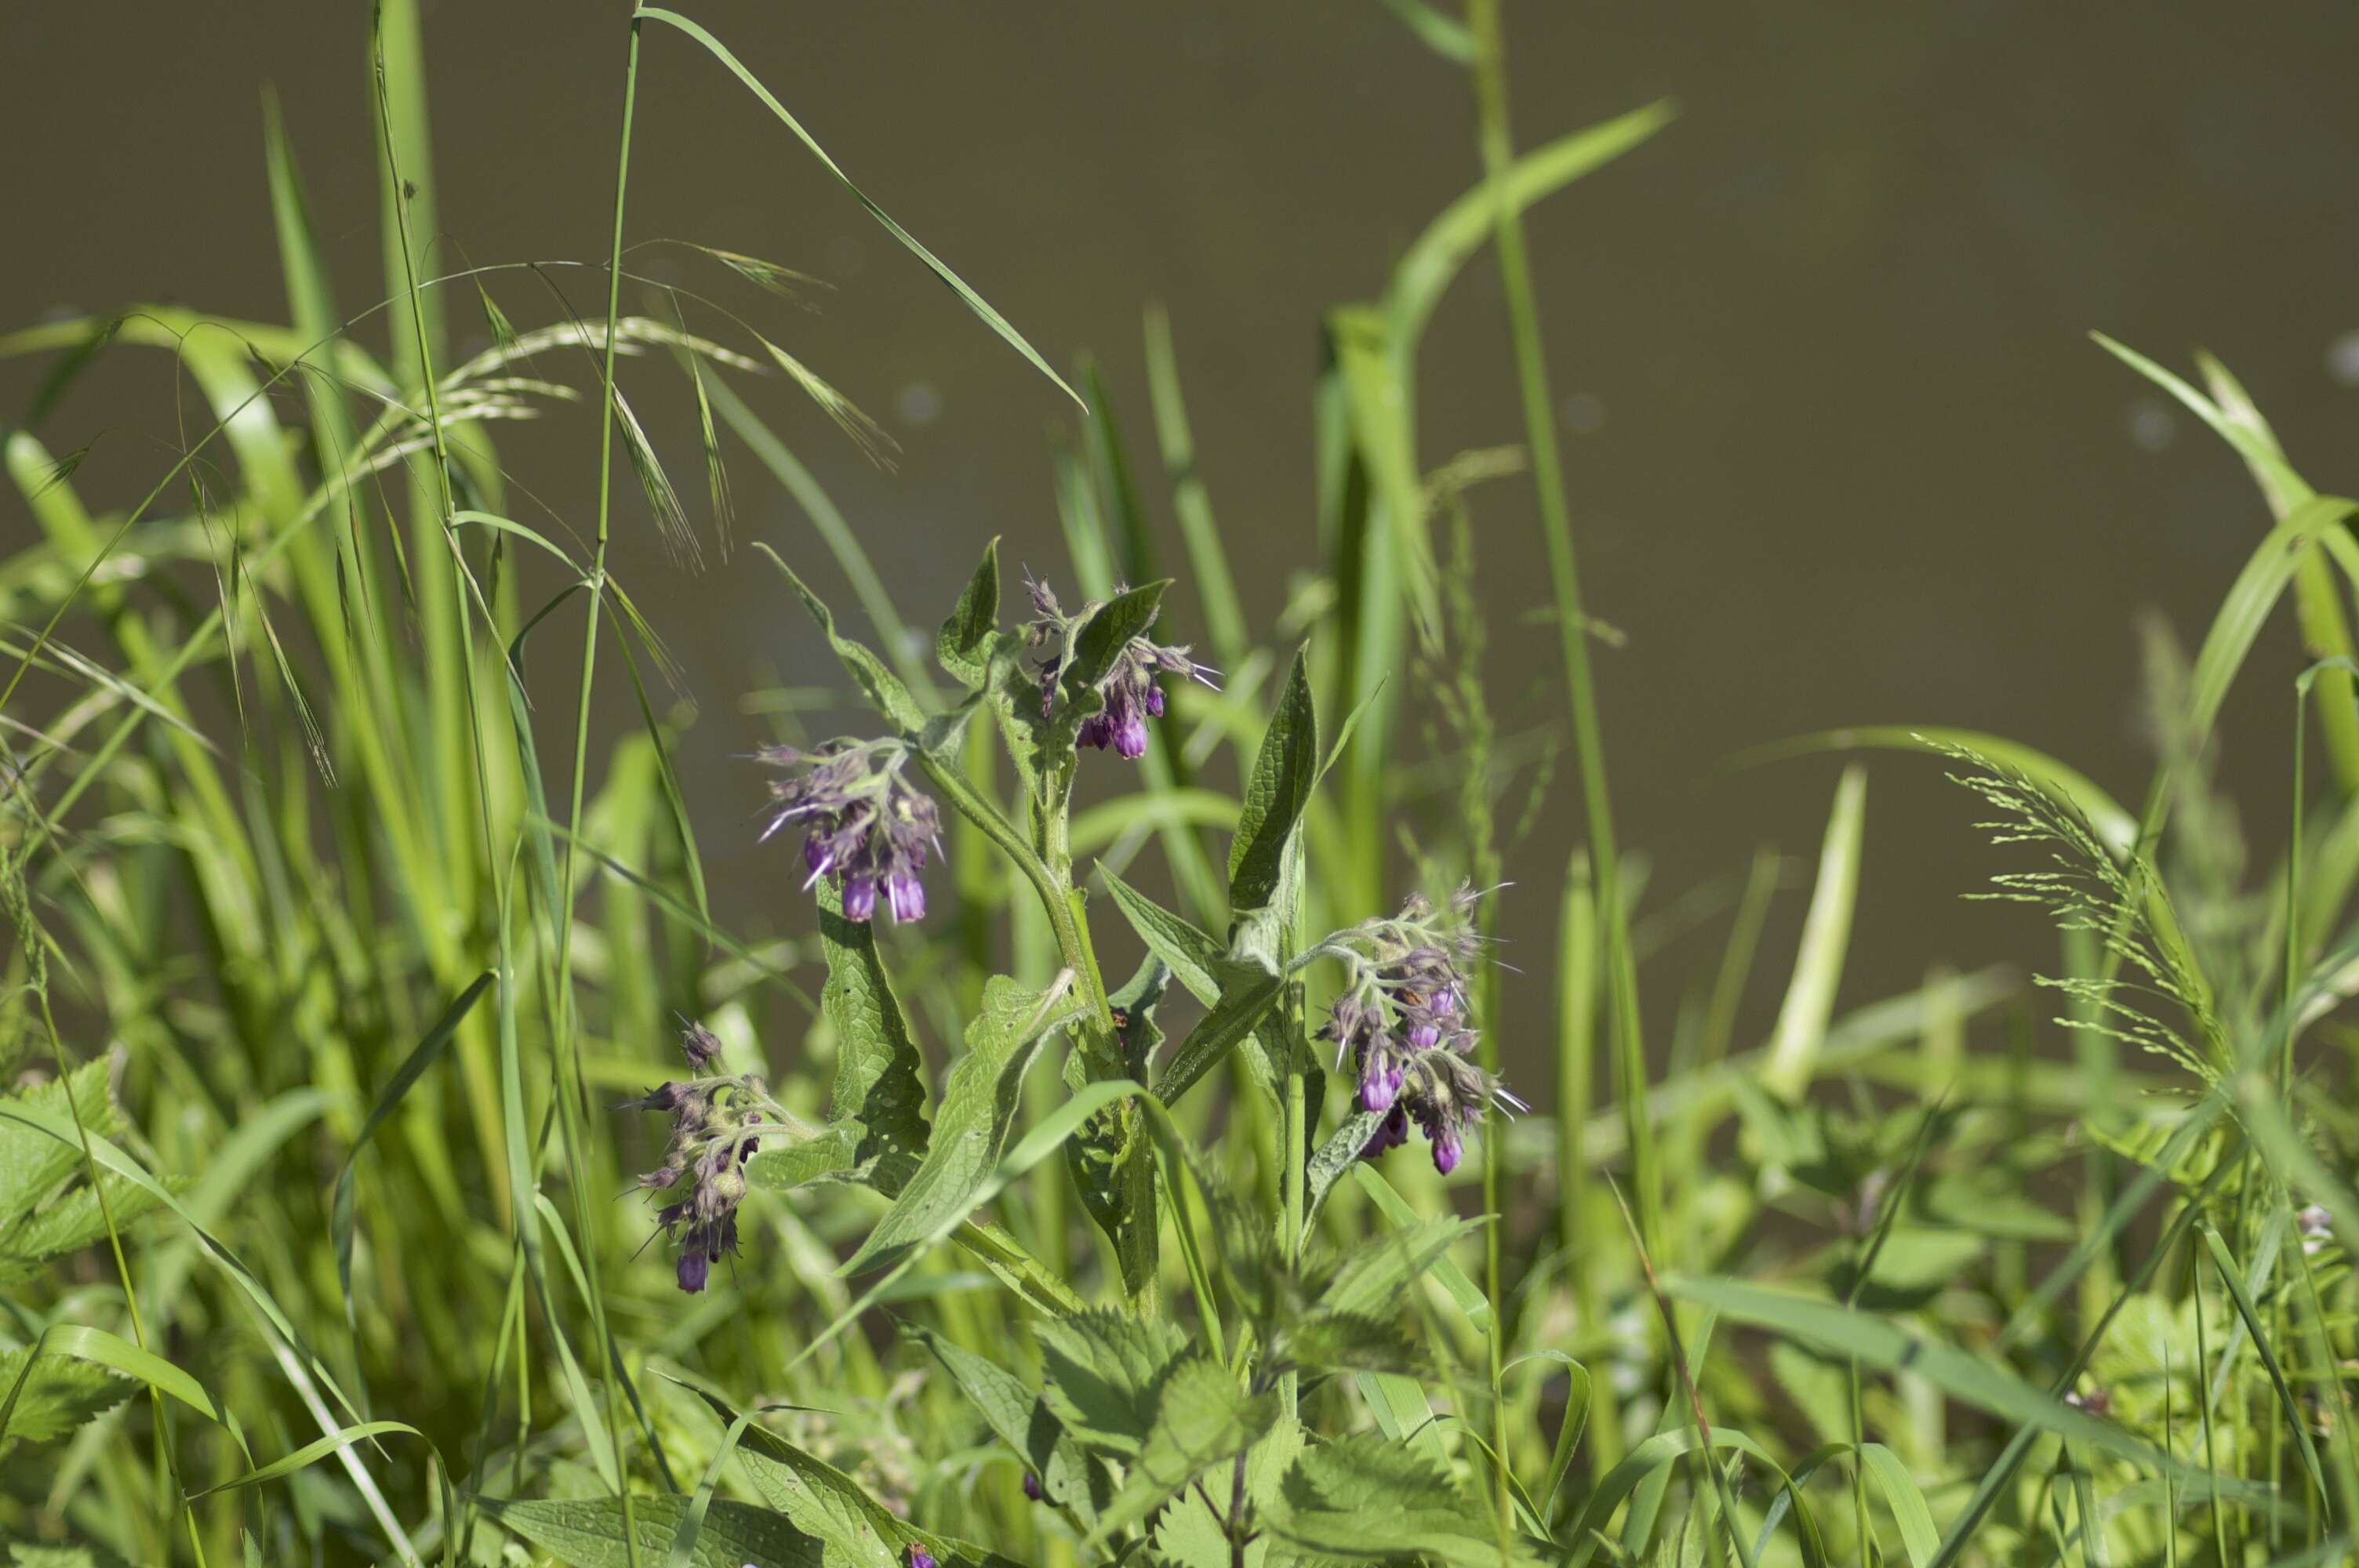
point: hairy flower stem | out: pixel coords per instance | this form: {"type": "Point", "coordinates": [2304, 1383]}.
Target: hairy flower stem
{"type": "Point", "coordinates": [1547, 484]}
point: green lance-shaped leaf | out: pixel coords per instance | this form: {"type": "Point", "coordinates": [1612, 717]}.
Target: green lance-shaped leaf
{"type": "Point", "coordinates": [587, 1533]}
{"type": "Point", "coordinates": [1367, 1496]}
{"type": "Point", "coordinates": [1101, 639]}
{"type": "Point", "coordinates": [1203, 1418]}
{"type": "Point", "coordinates": [877, 1133]}
{"type": "Point", "coordinates": [963, 645]}
{"type": "Point", "coordinates": [979, 1105]}
{"type": "Point", "coordinates": [879, 685]}
{"type": "Point", "coordinates": [1070, 1478]}
{"type": "Point", "coordinates": [880, 1088]}
{"type": "Point", "coordinates": [1110, 1164]}
{"type": "Point", "coordinates": [1104, 1368]}
{"type": "Point", "coordinates": [1277, 793]}
{"type": "Point", "coordinates": [854, 1528]}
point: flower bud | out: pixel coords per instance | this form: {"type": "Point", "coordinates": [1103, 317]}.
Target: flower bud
{"type": "Point", "coordinates": [693, 1267]}
{"type": "Point", "coordinates": [1031, 1486]}
{"type": "Point", "coordinates": [859, 898]}
{"type": "Point", "coordinates": [906, 895]}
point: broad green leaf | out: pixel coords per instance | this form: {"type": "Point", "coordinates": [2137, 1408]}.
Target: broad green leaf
{"type": "Point", "coordinates": [26, 1377]}
{"type": "Point", "coordinates": [1244, 1003]}
{"type": "Point", "coordinates": [879, 685]}
{"type": "Point", "coordinates": [974, 301]}
{"type": "Point", "coordinates": [1105, 634]}
{"type": "Point", "coordinates": [1111, 1167]}
{"type": "Point", "coordinates": [1193, 957]}
{"type": "Point", "coordinates": [880, 1089]}
{"type": "Point", "coordinates": [1826, 936]}
{"type": "Point", "coordinates": [1069, 1477]}
{"type": "Point", "coordinates": [979, 1101]}
{"type": "Point", "coordinates": [58, 1396]}
{"type": "Point", "coordinates": [1103, 1367]}
{"type": "Point", "coordinates": [1332, 1159]}
{"type": "Point", "coordinates": [32, 1164]}
{"type": "Point", "coordinates": [1366, 1497]}
{"type": "Point", "coordinates": [1203, 1418]}
{"type": "Point", "coordinates": [1275, 795]}
{"type": "Point", "coordinates": [587, 1533]}
{"type": "Point", "coordinates": [964, 645]}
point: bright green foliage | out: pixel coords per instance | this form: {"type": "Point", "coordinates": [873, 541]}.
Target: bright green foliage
{"type": "Point", "coordinates": [312, 852]}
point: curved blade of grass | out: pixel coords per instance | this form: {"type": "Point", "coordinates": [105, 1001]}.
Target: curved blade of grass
{"type": "Point", "coordinates": [1908, 1504]}
{"type": "Point", "coordinates": [429, 1050]}
{"type": "Point", "coordinates": [1879, 1341]}
{"type": "Point", "coordinates": [1665, 1448]}
{"type": "Point", "coordinates": [1826, 936]}
{"type": "Point", "coordinates": [2231, 1277]}
{"type": "Point", "coordinates": [2114, 824]}
{"type": "Point", "coordinates": [98, 1346]}
{"type": "Point", "coordinates": [974, 301]}
{"type": "Point", "coordinates": [311, 1453]}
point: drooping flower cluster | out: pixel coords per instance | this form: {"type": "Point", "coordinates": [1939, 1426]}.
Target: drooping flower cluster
{"type": "Point", "coordinates": [1130, 690]}
{"type": "Point", "coordinates": [865, 826]}
{"type": "Point", "coordinates": [1403, 1021]}
{"type": "Point", "coordinates": [716, 1127]}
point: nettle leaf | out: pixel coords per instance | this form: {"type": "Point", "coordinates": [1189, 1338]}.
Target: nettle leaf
{"type": "Point", "coordinates": [1367, 1496]}
{"type": "Point", "coordinates": [60, 1395]}
{"type": "Point", "coordinates": [962, 647]}
{"type": "Point", "coordinates": [1354, 1342]}
{"type": "Point", "coordinates": [1188, 1535]}
{"type": "Point", "coordinates": [588, 1533]}
{"type": "Point", "coordinates": [979, 1104]}
{"type": "Point", "coordinates": [1070, 1478]}
{"type": "Point", "coordinates": [1374, 1278]}
{"type": "Point", "coordinates": [1277, 793]}
{"type": "Point", "coordinates": [46, 1210]}
{"type": "Point", "coordinates": [32, 1163]}
{"type": "Point", "coordinates": [1203, 1418]}
{"type": "Point", "coordinates": [1103, 1368]}
{"type": "Point", "coordinates": [880, 685]}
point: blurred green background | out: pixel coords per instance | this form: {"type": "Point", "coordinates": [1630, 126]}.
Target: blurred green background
{"type": "Point", "coordinates": [1841, 451]}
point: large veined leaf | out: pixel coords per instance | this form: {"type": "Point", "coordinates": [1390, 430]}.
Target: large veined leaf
{"type": "Point", "coordinates": [1278, 791]}
{"type": "Point", "coordinates": [1203, 1418]}
{"type": "Point", "coordinates": [979, 1105]}
{"type": "Point", "coordinates": [1366, 1497]}
{"type": "Point", "coordinates": [58, 1396]}
{"type": "Point", "coordinates": [1103, 1368]}
{"type": "Point", "coordinates": [1069, 1477]}
{"type": "Point", "coordinates": [587, 1533]}
{"type": "Point", "coordinates": [854, 1531]}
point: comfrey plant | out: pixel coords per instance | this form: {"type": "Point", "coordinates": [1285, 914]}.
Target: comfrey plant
{"type": "Point", "coordinates": [1402, 1021]}
{"type": "Point", "coordinates": [1141, 1425]}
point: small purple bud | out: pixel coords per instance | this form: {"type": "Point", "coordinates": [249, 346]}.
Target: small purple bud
{"type": "Point", "coordinates": [1424, 1034]}
{"type": "Point", "coordinates": [1155, 702]}
{"type": "Point", "coordinates": [920, 1558]}
{"type": "Point", "coordinates": [1391, 1133]}
{"type": "Point", "coordinates": [1130, 735]}
{"type": "Point", "coordinates": [906, 895]}
{"type": "Point", "coordinates": [700, 1046]}
{"type": "Point", "coordinates": [1094, 732]}
{"type": "Point", "coordinates": [692, 1268]}
{"type": "Point", "coordinates": [1446, 1150]}
{"type": "Point", "coordinates": [1378, 1083]}
{"type": "Point", "coordinates": [818, 856]}
{"type": "Point", "coordinates": [859, 898]}
{"type": "Point", "coordinates": [1031, 1486]}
